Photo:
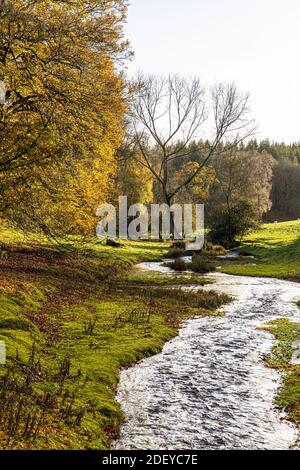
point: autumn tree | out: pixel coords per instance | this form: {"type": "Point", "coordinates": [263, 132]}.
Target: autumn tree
{"type": "Point", "coordinates": [132, 178]}
{"type": "Point", "coordinates": [61, 108]}
{"type": "Point", "coordinates": [198, 190]}
{"type": "Point", "coordinates": [241, 195]}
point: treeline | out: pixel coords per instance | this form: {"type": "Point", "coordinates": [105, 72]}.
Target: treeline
{"type": "Point", "coordinates": [279, 151]}
{"type": "Point", "coordinates": [233, 176]}
{"type": "Point", "coordinates": [285, 188]}
{"type": "Point", "coordinates": [235, 186]}
{"type": "Point", "coordinates": [285, 194]}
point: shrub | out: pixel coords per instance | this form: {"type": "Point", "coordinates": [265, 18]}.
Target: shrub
{"type": "Point", "coordinates": [178, 265]}
{"type": "Point", "coordinates": [174, 253]}
{"type": "Point", "coordinates": [232, 223]}
{"type": "Point", "coordinates": [180, 244]}
{"type": "Point", "coordinates": [218, 250]}
{"type": "Point", "coordinates": [201, 265]}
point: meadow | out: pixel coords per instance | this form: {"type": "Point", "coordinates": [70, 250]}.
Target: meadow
{"type": "Point", "coordinates": [277, 250]}
{"type": "Point", "coordinates": [70, 317]}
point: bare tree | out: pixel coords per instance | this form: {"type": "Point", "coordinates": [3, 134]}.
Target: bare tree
{"type": "Point", "coordinates": [168, 113]}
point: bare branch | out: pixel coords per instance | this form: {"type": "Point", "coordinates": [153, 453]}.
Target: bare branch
{"type": "Point", "coordinates": [171, 112]}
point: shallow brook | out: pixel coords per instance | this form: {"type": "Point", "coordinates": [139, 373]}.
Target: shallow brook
{"type": "Point", "coordinates": [209, 388]}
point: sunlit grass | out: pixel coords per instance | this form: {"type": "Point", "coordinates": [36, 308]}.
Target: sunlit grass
{"type": "Point", "coordinates": [48, 294]}
{"type": "Point", "coordinates": [277, 249]}
{"type": "Point", "coordinates": [286, 333]}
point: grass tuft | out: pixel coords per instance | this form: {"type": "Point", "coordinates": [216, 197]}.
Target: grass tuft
{"type": "Point", "coordinates": [280, 358]}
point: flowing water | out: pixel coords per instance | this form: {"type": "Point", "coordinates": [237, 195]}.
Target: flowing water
{"type": "Point", "coordinates": [209, 388]}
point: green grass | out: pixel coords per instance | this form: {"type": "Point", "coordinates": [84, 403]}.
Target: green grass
{"type": "Point", "coordinates": [83, 304]}
{"type": "Point", "coordinates": [50, 297]}
{"type": "Point", "coordinates": [148, 278]}
{"type": "Point", "coordinates": [288, 398]}
{"type": "Point", "coordinates": [131, 252]}
{"type": "Point", "coordinates": [277, 249]}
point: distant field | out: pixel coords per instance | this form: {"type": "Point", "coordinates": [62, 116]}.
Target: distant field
{"type": "Point", "coordinates": [277, 248]}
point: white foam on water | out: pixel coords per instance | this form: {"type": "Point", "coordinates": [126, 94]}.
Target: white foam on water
{"type": "Point", "coordinates": [209, 388]}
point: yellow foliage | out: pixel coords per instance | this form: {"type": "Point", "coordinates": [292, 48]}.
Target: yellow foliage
{"type": "Point", "coordinates": [62, 119]}
{"type": "Point", "coordinates": [198, 189]}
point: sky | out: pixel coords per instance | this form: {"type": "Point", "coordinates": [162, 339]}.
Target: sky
{"type": "Point", "coordinates": [255, 43]}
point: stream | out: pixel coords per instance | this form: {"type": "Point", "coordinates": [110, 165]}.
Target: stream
{"type": "Point", "coordinates": [209, 387]}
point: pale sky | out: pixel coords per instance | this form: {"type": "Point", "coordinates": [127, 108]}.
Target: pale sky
{"type": "Point", "coordinates": [255, 43]}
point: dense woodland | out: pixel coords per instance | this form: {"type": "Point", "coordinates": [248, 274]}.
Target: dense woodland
{"type": "Point", "coordinates": [75, 132]}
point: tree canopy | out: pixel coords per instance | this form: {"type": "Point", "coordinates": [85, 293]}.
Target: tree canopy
{"type": "Point", "coordinates": [62, 107]}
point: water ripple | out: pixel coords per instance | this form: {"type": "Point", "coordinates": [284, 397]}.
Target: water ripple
{"type": "Point", "coordinates": [209, 388]}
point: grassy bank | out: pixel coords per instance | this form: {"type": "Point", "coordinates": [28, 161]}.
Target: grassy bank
{"type": "Point", "coordinates": [70, 319]}
{"type": "Point", "coordinates": [288, 398]}
{"type": "Point", "coordinates": [277, 249]}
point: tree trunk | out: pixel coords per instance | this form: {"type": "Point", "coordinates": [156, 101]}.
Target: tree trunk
{"type": "Point", "coordinates": [168, 201]}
